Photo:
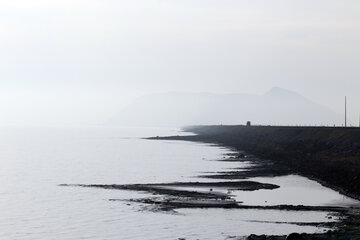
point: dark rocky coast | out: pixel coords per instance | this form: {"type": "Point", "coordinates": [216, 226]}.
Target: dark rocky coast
{"type": "Point", "coordinates": [328, 155]}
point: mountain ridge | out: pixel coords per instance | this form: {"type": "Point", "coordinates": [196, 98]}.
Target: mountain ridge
{"type": "Point", "coordinates": [277, 106]}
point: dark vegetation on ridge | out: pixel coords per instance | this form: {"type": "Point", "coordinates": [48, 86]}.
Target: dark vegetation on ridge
{"type": "Point", "coordinates": [329, 155]}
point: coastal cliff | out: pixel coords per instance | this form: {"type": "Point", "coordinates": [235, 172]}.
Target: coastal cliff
{"type": "Point", "coordinates": [329, 155]}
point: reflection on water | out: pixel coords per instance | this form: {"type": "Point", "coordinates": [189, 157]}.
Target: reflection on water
{"type": "Point", "coordinates": [35, 160]}
{"type": "Point", "coordinates": [295, 190]}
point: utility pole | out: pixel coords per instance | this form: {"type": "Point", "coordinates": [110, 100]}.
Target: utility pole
{"type": "Point", "coordinates": [345, 112]}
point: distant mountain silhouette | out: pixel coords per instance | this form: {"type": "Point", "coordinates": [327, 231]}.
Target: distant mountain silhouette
{"type": "Point", "coordinates": [278, 106]}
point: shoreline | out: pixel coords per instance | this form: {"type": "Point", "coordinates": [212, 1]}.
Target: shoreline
{"type": "Point", "coordinates": [328, 155]}
{"type": "Point", "coordinates": [287, 151]}
{"type": "Point", "coordinates": [168, 197]}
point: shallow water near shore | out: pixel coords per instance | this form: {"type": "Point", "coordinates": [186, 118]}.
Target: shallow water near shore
{"type": "Point", "coordinates": [35, 160]}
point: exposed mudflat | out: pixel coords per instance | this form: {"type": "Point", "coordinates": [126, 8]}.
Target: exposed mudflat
{"type": "Point", "coordinates": [219, 194]}
{"type": "Point", "coordinates": [225, 186]}
{"type": "Point", "coordinates": [201, 196]}
{"type": "Point", "coordinates": [328, 154]}
{"type": "Point", "coordinates": [347, 228]}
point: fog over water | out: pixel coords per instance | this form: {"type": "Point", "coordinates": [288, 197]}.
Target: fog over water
{"type": "Point", "coordinates": [80, 62]}
{"type": "Point", "coordinates": [79, 80]}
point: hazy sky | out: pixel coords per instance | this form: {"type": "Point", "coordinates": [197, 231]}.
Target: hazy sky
{"type": "Point", "coordinates": [79, 61]}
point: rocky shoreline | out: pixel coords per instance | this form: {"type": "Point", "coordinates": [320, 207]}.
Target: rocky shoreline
{"type": "Point", "coordinates": [330, 156]}
{"type": "Point", "coordinates": [274, 162]}
{"type": "Point", "coordinates": [169, 197]}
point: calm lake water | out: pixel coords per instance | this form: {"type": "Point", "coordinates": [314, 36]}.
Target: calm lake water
{"type": "Point", "coordinates": [35, 160]}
